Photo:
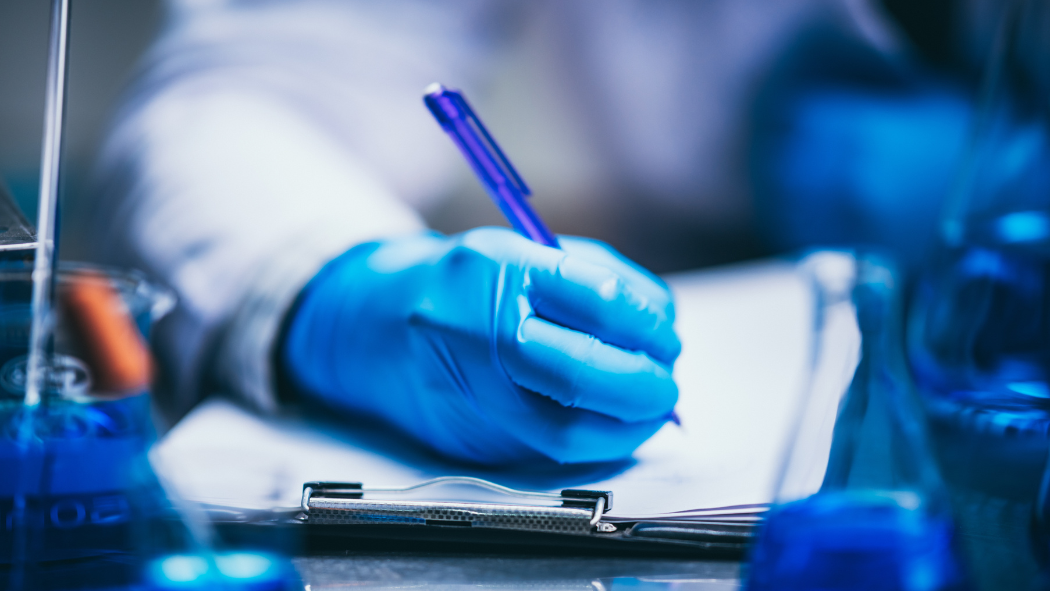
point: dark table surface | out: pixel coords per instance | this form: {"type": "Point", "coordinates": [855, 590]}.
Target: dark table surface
{"type": "Point", "coordinates": [459, 571]}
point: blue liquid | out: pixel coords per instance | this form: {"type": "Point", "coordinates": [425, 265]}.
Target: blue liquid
{"type": "Point", "coordinates": [979, 347]}
{"type": "Point", "coordinates": [79, 505]}
{"type": "Point", "coordinates": [238, 571]}
{"type": "Point", "coordinates": [853, 541]}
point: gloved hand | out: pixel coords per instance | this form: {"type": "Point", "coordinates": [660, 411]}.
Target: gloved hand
{"type": "Point", "coordinates": [491, 348]}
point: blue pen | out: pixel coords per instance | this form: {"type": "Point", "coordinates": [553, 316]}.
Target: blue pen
{"type": "Point", "coordinates": [503, 184]}
{"type": "Point", "coordinates": [492, 168]}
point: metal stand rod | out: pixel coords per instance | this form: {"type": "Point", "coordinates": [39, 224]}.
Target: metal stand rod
{"type": "Point", "coordinates": [46, 256]}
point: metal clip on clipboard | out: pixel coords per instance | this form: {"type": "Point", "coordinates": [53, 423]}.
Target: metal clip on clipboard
{"type": "Point", "coordinates": [344, 503]}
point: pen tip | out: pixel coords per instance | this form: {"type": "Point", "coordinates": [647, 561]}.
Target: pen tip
{"type": "Point", "coordinates": [434, 88]}
{"type": "Point", "coordinates": [675, 418]}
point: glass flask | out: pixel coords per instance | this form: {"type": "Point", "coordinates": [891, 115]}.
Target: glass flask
{"type": "Point", "coordinates": [979, 325]}
{"type": "Point", "coordinates": [1041, 533]}
{"type": "Point", "coordinates": [860, 503]}
{"type": "Point", "coordinates": [80, 506]}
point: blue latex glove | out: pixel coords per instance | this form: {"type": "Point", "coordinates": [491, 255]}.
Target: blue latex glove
{"type": "Point", "coordinates": [491, 348]}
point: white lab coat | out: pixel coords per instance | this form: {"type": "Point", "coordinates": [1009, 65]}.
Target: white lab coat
{"type": "Point", "coordinates": [263, 138]}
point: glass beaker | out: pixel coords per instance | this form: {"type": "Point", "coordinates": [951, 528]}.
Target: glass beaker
{"type": "Point", "coordinates": [1041, 533]}
{"type": "Point", "coordinates": [859, 504]}
{"type": "Point", "coordinates": [979, 336]}
{"type": "Point", "coordinates": [80, 506]}
{"type": "Point", "coordinates": [979, 327]}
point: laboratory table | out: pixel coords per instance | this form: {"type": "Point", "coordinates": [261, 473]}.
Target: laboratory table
{"type": "Point", "coordinates": [459, 571]}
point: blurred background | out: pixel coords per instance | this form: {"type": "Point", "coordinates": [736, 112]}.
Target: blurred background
{"type": "Point", "coordinates": [827, 121]}
{"type": "Point", "coordinates": [106, 41]}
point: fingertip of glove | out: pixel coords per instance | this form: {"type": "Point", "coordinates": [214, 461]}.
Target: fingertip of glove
{"type": "Point", "coordinates": [672, 349]}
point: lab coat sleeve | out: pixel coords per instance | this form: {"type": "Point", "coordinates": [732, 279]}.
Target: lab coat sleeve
{"type": "Point", "coordinates": [235, 200]}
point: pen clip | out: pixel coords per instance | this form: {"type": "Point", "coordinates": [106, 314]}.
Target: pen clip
{"type": "Point", "coordinates": [439, 100]}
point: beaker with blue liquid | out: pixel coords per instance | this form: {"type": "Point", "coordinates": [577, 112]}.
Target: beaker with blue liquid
{"type": "Point", "coordinates": [79, 504]}
{"type": "Point", "coordinates": [859, 503]}
{"type": "Point", "coordinates": [979, 325]}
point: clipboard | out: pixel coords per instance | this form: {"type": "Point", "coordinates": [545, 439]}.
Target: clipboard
{"type": "Point", "coordinates": [350, 514]}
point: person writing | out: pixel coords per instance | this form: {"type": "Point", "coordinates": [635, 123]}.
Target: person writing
{"type": "Point", "coordinates": [269, 163]}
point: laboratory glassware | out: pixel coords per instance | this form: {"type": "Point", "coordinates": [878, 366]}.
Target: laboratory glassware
{"type": "Point", "coordinates": [1041, 533]}
{"type": "Point", "coordinates": [979, 325]}
{"type": "Point", "coordinates": [79, 501]}
{"type": "Point", "coordinates": [81, 506]}
{"type": "Point", "coordinates": [84, 508]}
{"type": "Point", "coordinates": [859, 502]}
